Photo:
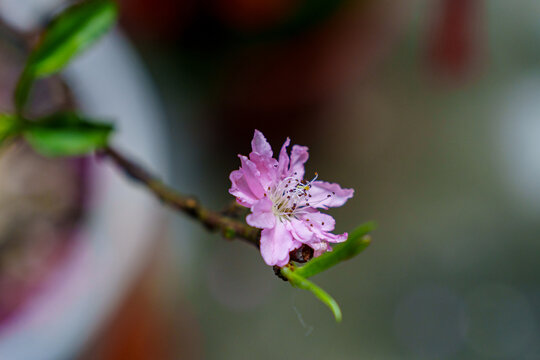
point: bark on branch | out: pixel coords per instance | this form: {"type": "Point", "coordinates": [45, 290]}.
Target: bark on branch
{"type": "Point", "coordinates": [214, 221]}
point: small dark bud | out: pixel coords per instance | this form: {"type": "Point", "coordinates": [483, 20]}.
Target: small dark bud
{"type": "Point", "coordinates": [277, 271]}
{"type": "Point", "coordinates": [302, 254]}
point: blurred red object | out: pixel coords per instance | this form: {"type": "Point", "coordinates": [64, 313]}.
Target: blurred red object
{"type": "Point", "coordinates": [454, 45]}
{"type": "Point", "coordinates": [307, 69]}
{"type": "Point", "coordinates": [286, 84]}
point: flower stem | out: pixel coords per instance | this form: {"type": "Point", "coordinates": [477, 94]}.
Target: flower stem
{"type": "Point", "coordinates": [212, 220]}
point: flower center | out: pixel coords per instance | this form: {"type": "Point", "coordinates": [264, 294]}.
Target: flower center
{"type": "Point", "coordinates": [292, 197]}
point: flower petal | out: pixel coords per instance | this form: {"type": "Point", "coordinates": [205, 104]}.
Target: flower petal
{"type": "Point", "coordinates": [299, 230]}
{"type": "Point", "coordinates": [241, 190]}
{"type": "Point", "coordinates": [276, 243]}
{"type": "Point", "coordinates": [252, 176]}
{"type": "Point", "coordinates": [299, 156]}
{"type": "Point", "coordinates": [321, 221]}
{"type": "Point", "coordinates": [262, 216]}
{"type": "Point", "coordinates": [319, 247]}
{"type": "Point", "coordinates": [283, 163]}
{"type": "Point", "coordinates": [333, 238]}
{"type": "Point", "coordinates": [326, 194]}
{"type": "Point", "coordinates": [259, 144]}
{"type": "Point", "coordinates": [266, 167]}
{"type": "Point", "coordinates": [320, 224]}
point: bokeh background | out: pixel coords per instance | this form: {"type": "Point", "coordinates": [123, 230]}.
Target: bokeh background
{"type": "Point", "coordinates": [430, 110]}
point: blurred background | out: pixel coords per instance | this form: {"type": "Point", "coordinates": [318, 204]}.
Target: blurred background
{"type": "Point", "coordinates": [430, 110]}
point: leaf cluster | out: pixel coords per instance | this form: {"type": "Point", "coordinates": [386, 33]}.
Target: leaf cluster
{"type": "Point", "coordinates": [67, 36]}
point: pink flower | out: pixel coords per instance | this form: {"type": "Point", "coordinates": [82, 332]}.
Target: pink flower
{"type": "Point", "coordinates": [284, 205]}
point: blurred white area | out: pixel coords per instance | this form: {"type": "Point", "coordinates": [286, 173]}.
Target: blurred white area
{"type": "Point", "coordinates": [518, 141]}
{"type": "Point", "coordinates": [26, 15]}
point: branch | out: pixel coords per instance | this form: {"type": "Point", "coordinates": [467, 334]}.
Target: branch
{"type": "Point", "coordinates": [212, 220]}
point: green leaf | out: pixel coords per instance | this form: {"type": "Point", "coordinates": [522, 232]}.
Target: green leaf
{"type": "Point", "coordinates": [73, 31]}
{"type": "Point", "coordinates": [67, 134]}
{"type": "Point", "coordinates": [358, 240]}
{"type": "Point", "coordinates": [297, 280]}
{"type": "Point", "coordinates": [9, 126]}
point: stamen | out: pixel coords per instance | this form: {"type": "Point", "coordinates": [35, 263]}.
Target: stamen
{"type": "Point", "coordinates": [291, 201]}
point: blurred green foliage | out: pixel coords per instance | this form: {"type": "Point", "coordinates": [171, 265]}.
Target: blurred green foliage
{"type": "Point", "coordinates": [72, 32]}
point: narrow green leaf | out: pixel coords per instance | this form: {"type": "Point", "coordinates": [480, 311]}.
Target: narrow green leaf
{"type": "Point", "coordinates": [67, 134]}
{"type": "Point", "coordinates": [8, 126]}
{"type": "Point", "coordinates": [297, 280]}
{"type": "Point", "coordinates": [72, 32]}
{"type": "Point", "coordinates": [358, 240]}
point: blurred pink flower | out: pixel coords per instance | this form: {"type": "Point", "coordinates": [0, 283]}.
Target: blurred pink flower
{"type": "Point", "coordinates": [284, 205]}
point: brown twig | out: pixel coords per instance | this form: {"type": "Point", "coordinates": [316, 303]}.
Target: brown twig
{"type": "Point", "coordinates": [212, 220]}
